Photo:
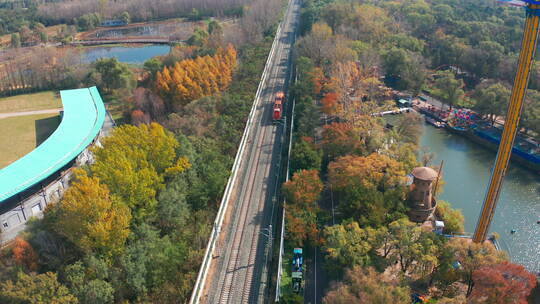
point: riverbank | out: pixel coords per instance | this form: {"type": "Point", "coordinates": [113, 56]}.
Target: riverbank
{"type": "Point", "coordinates": [467, 123]}
{"type": "Point", "coordinates": [466, 174]}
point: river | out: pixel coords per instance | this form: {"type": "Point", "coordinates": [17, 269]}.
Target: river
{"type": "Point", "coordinates": [467, 168]}
{"type": "Point", "coordinates": [131, 54]}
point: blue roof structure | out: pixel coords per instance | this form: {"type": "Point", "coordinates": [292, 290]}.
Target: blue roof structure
{"type": "Point", "coordinates": [531, 1]}
{"type": "Point", "coordinates": [84, 115]}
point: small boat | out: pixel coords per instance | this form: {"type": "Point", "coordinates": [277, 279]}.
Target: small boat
{"type": "Point", "coordinates": [433, 122]}
{"type": "Point", "coordinates": [460, 130]}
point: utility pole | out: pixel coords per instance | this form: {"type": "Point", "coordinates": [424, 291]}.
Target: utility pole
{"type": "Point", "coordinates": [526, 57]}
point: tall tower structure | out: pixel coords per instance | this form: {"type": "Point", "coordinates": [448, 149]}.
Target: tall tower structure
{"type": "Point", "coordinates": [421, 200]}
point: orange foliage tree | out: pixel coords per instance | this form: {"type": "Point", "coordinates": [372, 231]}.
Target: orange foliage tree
{"type": "Point", "coordinates": [370, 189]}
{"type": "Point", "coordinates": [24, 254]}
{"type": "Point", "coordinates": [375, 171]}
{"type": "Point", "coordinates": [363, 137]}
{"type": "Point", "coordinates": [302, 193]}
{"type": "Point", "coordinates": [340, 139]}
{"type": "Point", "coordinates": [192, 79]}
{"type": "Point", "coordinates": [502, 283]}
{"type": "Point", "coordinates": [139, 117]}
{"type": "Point", "coordinates": [330, 103]}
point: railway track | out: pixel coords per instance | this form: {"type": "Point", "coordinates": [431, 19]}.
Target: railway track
{"type": "Point", "coordinates": [238, 265]}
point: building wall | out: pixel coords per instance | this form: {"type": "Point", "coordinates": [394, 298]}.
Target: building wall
{"type": "Point", "coordinates": [14, 220]}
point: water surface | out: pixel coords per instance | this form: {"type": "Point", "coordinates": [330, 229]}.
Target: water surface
{"type": "Point", "coordinates": [131, 54]}
{"type": "Point", "coordinates": [467, 168]}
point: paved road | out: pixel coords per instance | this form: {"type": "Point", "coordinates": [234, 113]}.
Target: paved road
{"type": "Point", "coordinates": [316, 278]}
{"type": "Point", "coordinates": [237, 273]}
{"type": "Point", "coordinates": [13, 114]}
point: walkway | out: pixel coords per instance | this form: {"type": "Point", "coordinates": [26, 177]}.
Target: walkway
{"type": "Point", "coordinates": [14, 114]}
{"type": "Point", "coordinates": [146, 40]}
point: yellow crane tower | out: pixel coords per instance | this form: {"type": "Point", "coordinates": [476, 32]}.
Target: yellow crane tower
{"type": "Point", "coordinates": [526, 57]}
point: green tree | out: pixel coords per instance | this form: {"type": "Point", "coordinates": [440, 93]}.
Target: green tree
{"type": "Point", "coordinates": [124, 17]}
{"type": "Point", "coordinates": [407, 42]}
{"type": "Point", "coordinates": [366, 286]}
{"type": "Point", "coordinates": [491, 100]}
{"type": "Point", "coordinates": [160, 269]}
{"type": "Point", "coordinates": [113, 74]}
{"type": "Point", "coordinates": [449, 89]}
{"type": "Point", "coordinates": [305, 156]}
{"type": "Point", "coordinates": [404, 69]}
{"type": "Point", "coordinates": [446, 49]}
{"type": "Point", "coordinates": [199, 37]}
{"type": "Point", "coordinates": [415, 249]}
{"type": "Point", "coordinates": [173, 210]}
{"type": "Point", "coordinates": [15, 40]}
{"type": "Point", "coordinates": [39, 289]}
{"type": "Point", "coordinates": [347, 245]}
{"type": "Point", "coordinates": [394, 62]}
{"type": "Point", "coordinates": [530, 119]}
{"type": "Point", "coordinates": [152, 66]}
{"type": "Point", "coordinates": [194, 15]}
{"type": "Point", "coordinates": [454, 222]}
{"type": "Point", "coordinates": [88, 282]}
{"type": "Point", "coordinates": [214, 27]}
{"type": "Point", "coordinates": [90, 218]}
{"type": "Point", "coordinates": [484, 60]}
{"type": "Point", "coordinates": [422, 23]}
{"type": "Point", "coordinates": [88, 21]}
{"type": "Point", "coordinates": [306, 116]}
{"type": "Point", "coordinates": [409, 128]}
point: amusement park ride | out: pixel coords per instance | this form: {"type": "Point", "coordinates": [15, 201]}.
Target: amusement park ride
{"type": "Point", "coordinates": [526, 57]}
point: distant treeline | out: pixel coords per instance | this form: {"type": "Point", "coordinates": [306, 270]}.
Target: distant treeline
{"type": "Point", "coordinates": [139, 10]}
{"type": "Point", "coordinates": [16, 14]}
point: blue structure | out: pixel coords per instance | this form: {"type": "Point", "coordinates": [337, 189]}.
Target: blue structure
{"type": "Point", "coordinates": [113, 23]}
{"type": "Point", "coordinates": [31, 182]}
{"type": "Point", "coordinates": [84, 114]}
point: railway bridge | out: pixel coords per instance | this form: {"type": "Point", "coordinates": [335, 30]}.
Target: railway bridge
{"type": "Point", "coordinates": [234, 269]}
{"type": "Point", "coordinates": [145, 40]}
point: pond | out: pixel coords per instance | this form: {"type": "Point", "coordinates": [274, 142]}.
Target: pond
{"type": "Point", "coordinates": [467, 169]}
{"type": "Point", "coordinates": [127, 54]}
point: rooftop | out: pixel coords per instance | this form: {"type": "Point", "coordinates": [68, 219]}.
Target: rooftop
{"type": "Point", "coordinates": [84, 114]}
{"type": "Point", "coordinates": [424, 173]}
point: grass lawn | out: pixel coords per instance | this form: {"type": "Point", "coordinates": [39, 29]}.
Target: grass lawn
{"type": "Point", "coordinates": [22, 134]}
{"type": "Point", "coordinates": [30, 102]}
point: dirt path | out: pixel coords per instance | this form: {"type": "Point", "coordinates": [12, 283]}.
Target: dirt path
{"type": "Point", "coordinates": [13, 114]}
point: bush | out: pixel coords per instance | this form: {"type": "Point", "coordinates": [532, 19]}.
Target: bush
{"type": "Point", "coordinates": [453, 218]}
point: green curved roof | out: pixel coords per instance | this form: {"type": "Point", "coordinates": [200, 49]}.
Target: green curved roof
{"type": "Point", "coordinates": [84, 114]}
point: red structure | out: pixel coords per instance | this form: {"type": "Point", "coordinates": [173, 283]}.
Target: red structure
{"type": "Point", "coordinates": [278, 106]}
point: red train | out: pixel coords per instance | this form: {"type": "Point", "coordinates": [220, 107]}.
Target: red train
{"type": "Point", "coordinates": [277, 114]}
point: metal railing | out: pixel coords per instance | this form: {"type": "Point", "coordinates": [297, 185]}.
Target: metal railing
{"type": "Point", "coordinates": [287, 177]}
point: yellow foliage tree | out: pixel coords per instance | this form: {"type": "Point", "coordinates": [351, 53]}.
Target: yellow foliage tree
{"type": "Point", "coordinates": [134, 162]}
{"type": "Point", "coordinates": [91, 218]}
{"type": "Point", "coordinates": [192, 79]}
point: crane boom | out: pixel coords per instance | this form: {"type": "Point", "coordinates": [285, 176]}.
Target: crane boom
{"type": "Point", "coordinates": [526, 57]}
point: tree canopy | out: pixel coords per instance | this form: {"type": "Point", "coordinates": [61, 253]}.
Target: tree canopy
{"type": "Point", "coordinates": [365, 285]}
{"type": "Point", "coordinates": [134, 161]}
{"type": "Point", "coordinates": [41, 288]}
{"type": "Point", "coordinates": [90, 218]}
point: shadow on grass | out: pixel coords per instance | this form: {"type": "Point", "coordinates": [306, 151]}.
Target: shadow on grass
{"type": "Point", "coordinates": [45, 127]}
